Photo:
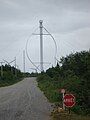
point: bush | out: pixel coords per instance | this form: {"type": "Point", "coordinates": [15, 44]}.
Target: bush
{"type": "Point", "coordinates": [74, 76]}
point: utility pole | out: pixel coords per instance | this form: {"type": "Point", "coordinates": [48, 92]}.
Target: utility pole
{"type": "Point", "coordinates": [15, 68]}
{"type": "Point", "coordinates": [24, 61]}
{"type": "Point", "coordinates": [41, 45]}
{"type": "Point", "coordinates": [1, 69]}
{"type": "Point", "coordinates": [8, 63]}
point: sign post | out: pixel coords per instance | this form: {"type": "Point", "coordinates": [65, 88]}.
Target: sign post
{"type": "Point", "coordinates": [63, 92]}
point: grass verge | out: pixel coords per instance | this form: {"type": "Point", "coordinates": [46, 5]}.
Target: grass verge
{"type": "Point", "coordinates": [50, 88]}
{"type": "Point", "coordinates": [66, 116]}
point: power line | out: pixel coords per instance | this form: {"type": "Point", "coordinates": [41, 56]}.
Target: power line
{"type": "Point", "coordinates": [9, 63]}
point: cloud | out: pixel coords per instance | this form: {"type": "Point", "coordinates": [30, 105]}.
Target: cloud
{"type": "Point", "coordinates": [73, 5]}
{"type": "Point", "coordinates": [67, 20]}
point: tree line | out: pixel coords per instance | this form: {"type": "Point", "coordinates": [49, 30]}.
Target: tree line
{"type": "Point", "coordinates": [73, 74]}
{"type": "Point", "coordinates": [9, 75]}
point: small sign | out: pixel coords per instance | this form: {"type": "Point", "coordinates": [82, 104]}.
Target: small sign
{"type": "Point", "coordinates": [62, 90]}
{"type": "Point", "coordinates": [69, 100]}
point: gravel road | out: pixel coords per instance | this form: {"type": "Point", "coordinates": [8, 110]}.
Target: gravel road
{"type": "Point", "coordinates": [24, 101]}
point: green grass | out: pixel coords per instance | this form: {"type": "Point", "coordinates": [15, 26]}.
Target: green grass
{"type": "Point", "coordinates": [66, 116]}
{"type": "Point", "coordinates": [49, 87]}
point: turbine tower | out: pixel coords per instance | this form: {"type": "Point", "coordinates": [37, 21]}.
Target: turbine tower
{"type": "Point", "coordinates": [41, 45]}
{"type": "Point", "coordinates": [24, 61]}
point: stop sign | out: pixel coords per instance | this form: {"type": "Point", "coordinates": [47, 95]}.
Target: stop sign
{"type": "Point", "coordinates": [69, 100]}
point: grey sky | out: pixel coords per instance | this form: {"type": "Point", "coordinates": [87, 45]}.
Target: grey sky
{"type": "Point", "coordinates": [67, 20]}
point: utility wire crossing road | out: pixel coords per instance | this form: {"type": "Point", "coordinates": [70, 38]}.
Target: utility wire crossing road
{"type": "Point", "coordinates": [24, 101]}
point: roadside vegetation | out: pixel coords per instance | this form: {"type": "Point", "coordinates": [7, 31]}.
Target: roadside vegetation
{"type": "Point", "coordinates": [9, 75]}
{"type": "Point", "coordinates": [65, 116]}
{"type": "Point", "coordinates": [73, 74]}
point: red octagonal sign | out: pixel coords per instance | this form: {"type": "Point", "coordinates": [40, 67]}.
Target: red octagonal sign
{"type": "Point", "coordinates": [69, 100]}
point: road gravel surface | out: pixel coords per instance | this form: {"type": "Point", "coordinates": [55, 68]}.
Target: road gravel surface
{"type": "Point", "coordinates": [24, 101]}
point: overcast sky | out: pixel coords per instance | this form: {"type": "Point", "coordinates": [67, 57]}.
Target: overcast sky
{"type": "Point", "coordinates": [67, 20]}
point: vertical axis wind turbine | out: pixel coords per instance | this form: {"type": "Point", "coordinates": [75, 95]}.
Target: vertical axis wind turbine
{"type": "Point", "coordinates": [41, 45]}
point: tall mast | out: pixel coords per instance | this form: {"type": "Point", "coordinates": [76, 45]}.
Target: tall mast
{"type": "Point", "coordinates": [24, 61]}
{"type": "Point", "coordinates": [41, 45]}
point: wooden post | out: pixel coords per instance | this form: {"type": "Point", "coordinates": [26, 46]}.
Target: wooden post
{"type": "Point", "coordinates": [69, 110]}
